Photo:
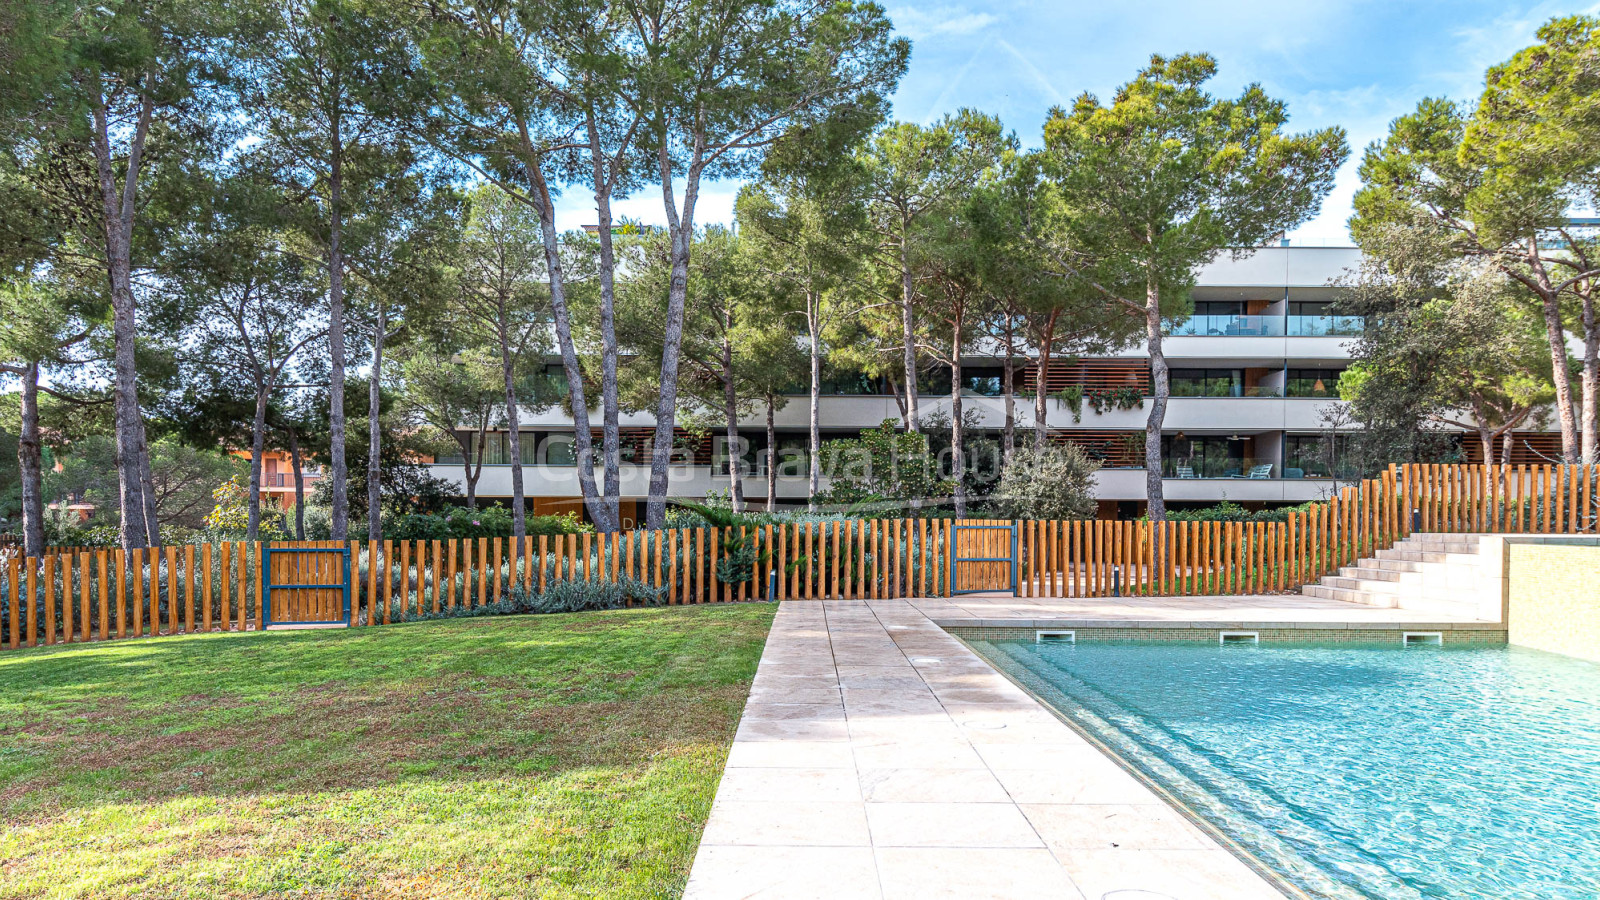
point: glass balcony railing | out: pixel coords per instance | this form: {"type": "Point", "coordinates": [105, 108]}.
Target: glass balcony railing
{"type": "Point", "coordinates": [1228, 326]}
{"type": "Point", "coordinates": [1325, 326]}
{"type": "Point", "coordinates": [1220, 467]}
{"type": "Point", "coordinates": [1267, 326]}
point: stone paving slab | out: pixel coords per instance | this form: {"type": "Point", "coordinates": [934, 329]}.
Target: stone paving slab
{"type": "Point", "coordinates": [1264, 611]}
{"type": "Point", "coordinates": [879, 758]}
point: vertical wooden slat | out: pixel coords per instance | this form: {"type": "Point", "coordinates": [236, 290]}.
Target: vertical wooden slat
{"type": "Point", "coordinates": [172, 588]}
{"type": "Point", "coordinates": [224, 583]}
{"type": "Point", "coordinates": [49, 600]}
{"type": "Point", "coordinates": [31, 607]}
{"type": "Point", "coordinates": [66, 595]}
{"type": "Point", "coordinates": [1588, 497]}
{"type": "Point", "coordinates": [260, 606]}
{"type": "Point", "coordinates": [188, 589]}
{"type": "Point", "coordinates": [85, 589]}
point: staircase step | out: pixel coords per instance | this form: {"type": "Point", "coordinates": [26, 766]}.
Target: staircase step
{"type": "Point", "coordinates": [1428, 572]}
{"type": "Point", "coordinates": [1378, 573]}
{"type": "Point", "coordinates": [1326, 592]}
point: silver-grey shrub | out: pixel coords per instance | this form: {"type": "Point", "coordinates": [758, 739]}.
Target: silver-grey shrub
{"type": "Point", "coordinates": [1055, 482]}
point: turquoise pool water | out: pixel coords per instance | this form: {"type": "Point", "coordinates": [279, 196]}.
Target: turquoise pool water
{"type": "Point", "coordinates": [1357, 772]}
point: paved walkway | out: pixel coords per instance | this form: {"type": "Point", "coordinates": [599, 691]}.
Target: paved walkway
{"type": "Point", "coordinates": [879, 758]}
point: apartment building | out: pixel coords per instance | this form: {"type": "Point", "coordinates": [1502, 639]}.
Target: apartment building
{"type": "Point", "coordinates": [1254, 373]}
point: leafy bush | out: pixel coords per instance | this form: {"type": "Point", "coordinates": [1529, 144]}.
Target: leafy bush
{"type": "Point", "coordinates": [1228, 511]}
{"type": "Point", "coordinates": [1054, 482]}
{"type": "Point", "coordinates": [559, 597]}
{"type": "Point", "coordinates": [491, 521]}
{"type": "Point", "coordinates": [882, 464]}
{"type": "Point", "coordinates": [578, 596]}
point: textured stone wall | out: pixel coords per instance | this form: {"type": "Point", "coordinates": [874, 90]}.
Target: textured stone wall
{"type": "Point", "coordinates": [1553, 598]}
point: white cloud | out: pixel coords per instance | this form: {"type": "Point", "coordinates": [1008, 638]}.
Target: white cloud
{"type": "Point", "coordinates": [940, 21]}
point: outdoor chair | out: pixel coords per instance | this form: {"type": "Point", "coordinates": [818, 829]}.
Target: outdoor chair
{"type": "Point", "coordinates": [1185, 471]}
{"type": "Point", "coordinates": [1261, 471]}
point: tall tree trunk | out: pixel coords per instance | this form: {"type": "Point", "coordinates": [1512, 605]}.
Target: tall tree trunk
{"type": "Point", "coordinates": [147, 490]}
{"type": "Point", "coordinates": [899, 395]}
{"type": "Point", "coordinates": [337, 469]}
{"type": "Point", "coordinates": [30, 461]}
{"type": "Point", "coordinates": [610, 439]}
{"type": "Point", "coordinates": [730, 409]}
{"type": "Point", "coordinates": [958, 456]}
{"type": "Point", "coordinates": [908, 330]}
{"type": "Point", "coordinates": [1041, 382]}
{"type": "Point", "coordinates": [519, 521]}
{"type": "Point", "coordinates": [1591, 380]}
{"type": "Point", "coordinates": [814, 441]}
{"type": "Point", "coordinates": [1557, 338]}
{"type": "Point", "coordinates": [1486, 441]}
{"type": "Point", "coordinates": [374, 432]}
{"type": "Point", "coordinates": [1008, 441]}
{"type": "Point", "coordinates": [1508, 442]}
{"type": "Point", "coordinates": [1157, 501]}
{"type": "Point", "coordinates": [772, 454]}
{"type": "Point", "coordinates": [681, 231]}
{"type": "Point", "coordinates": [470, 472]}
{"type": "Point", "coordinates": [258, 444]}
{"type": "Point", "coordinates": [583, 437]}
{"type": "Point", "coordinates": [117, 211]}
{"type": "Point", "coordinates": [296, 466]}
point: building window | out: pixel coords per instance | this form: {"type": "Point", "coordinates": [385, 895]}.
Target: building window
{"type": "Point", "coordinates": [494, 450]}
{"type": "Point", "coordinates": [1318, 456]}
{"type": "Point", "coordinates": [1211, 456]}
{"type": "Point", "coordinates": [1313, 382]}
{"type": "Point", "coordinates": [559, 450]}
{"type": "Point", "coordinates": [1316, 318]}
{"type": "Point", "coordinates": [1207, 382]}
{"type": "Point", "coordinates": [984, 381]}
{"type": "Point", "coordinates": [844, 383]}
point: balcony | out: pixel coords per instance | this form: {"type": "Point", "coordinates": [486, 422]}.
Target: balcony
{"type": "Point", "coordinates": [1213, 467]}
{"type": "Point", "coordinates": [1325, 326]}
{"type": "Point", "coordinates": [1228, 326]}
{"type": "Point", "coordinates": [285, 480]}
{"type": "Point", "coordinates": [1267, 326]}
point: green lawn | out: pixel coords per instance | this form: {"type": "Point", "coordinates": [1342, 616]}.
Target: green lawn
{"type": "Point", "coordinates": [552, 756]}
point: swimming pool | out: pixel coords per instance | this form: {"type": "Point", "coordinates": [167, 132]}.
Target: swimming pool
{"type": "Point", "coordinates": [1356, 771]}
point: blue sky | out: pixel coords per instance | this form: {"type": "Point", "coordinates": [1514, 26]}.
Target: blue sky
{"type": "Point", "coordinates": [1356, 63]}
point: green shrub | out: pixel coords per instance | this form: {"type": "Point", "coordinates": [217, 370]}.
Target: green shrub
{"type": "Point", "coordinates": [1055, 481]}
{"type": "Point", "coordinates": [559, 597]}
{"type": "Point", "coordinates": [1228, 511]}
{"type": "Point", "coordinates": [488, 522]}
{"type": "Point", "coordinates": [579, 596]}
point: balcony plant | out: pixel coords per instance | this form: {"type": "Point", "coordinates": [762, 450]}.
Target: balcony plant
{"type": "Point", "coordinates": [1115, 398]}
{"type": "Point", "coordinates": [1071, 396]}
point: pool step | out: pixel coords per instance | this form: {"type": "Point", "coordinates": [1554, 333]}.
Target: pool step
{"type": "Point", "coordinates": [1435, 573]}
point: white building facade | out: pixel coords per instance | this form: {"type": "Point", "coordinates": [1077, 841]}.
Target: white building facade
{"type": "Point", "coordinates": [1254, 373]}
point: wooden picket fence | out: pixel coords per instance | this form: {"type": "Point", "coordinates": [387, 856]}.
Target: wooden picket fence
{"type": "Point", "coordinates": [1106, 558]}
{"type": "Point", "coordinates": [95, 594]}
{"type": "Point", "coordinates": [73, 595]}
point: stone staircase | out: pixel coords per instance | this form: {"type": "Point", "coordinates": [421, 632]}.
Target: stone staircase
{"type": "Point", "coordinates": [1433, 573]}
